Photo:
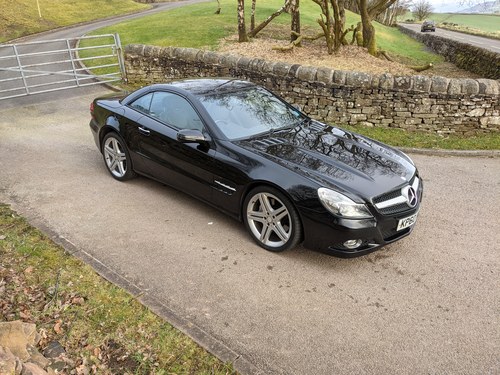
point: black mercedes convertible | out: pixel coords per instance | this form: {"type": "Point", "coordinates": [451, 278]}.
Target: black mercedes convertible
{"type": "Point", "coordinates": [246, 151]}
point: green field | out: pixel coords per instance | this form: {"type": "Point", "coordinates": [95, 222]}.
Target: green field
{"type": "Point", "coordinates": [20, 17]}
{"type": "Point", "coordinates": [483, 22]}
{"type": "Point", "coordinates": [197, 26]}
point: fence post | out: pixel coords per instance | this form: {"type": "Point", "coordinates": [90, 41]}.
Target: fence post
{"type": "Point", "coordinates": [121, 59]}
{"type": "Point", "coordinates": [21, 69]}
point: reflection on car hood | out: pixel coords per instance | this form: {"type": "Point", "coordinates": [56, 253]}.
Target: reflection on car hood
{"type": "Point", "coordinates": [336, 158]}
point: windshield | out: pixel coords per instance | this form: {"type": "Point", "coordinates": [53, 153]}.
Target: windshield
{"type": "Point", "coordinates": [248, 112]}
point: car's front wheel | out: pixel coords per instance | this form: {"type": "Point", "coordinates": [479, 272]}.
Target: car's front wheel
{"type": "Point", "coordinates": [271, 219]}
{"type": "Point", "coordinates": [116, 157]}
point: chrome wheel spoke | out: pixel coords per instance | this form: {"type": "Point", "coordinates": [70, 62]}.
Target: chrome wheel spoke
{"type": "Point", "coordinates": [121, 167]}
{"type": "Point", "coordinates": [113, 164]}
{"type": "Point", "coordinates": [109, 150]}
{"type": "Point", "coordinates": [281, 232]}
{"type": "Point", "coordinates": [280, 213]}
{"type": "Point", "coordinates": [265, 234]}
{"type": "Point", "coordinates": [257, 216]}
{"type": "Point", "coordinates": [121, 156]}
{"type": "Point", "coordinates": [265, 204]}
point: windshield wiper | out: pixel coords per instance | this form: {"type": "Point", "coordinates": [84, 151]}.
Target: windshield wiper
{"type": "Point", "coordinates": [288, 127]}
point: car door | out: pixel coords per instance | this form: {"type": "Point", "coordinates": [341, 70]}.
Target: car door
{"type": "Point", "coordinates": [185, 166]}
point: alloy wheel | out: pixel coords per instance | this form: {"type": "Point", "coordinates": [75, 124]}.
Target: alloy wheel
{"type": "Point", "coordinates": [115, 157]}
{"type": "Point", "coordinates": [269, 220]}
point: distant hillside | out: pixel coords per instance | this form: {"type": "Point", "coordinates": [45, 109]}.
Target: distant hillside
{"type": "Point", "coordinates": [487, 7]}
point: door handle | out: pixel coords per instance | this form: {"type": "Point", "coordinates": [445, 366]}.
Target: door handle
{"type": "Point", "coordinates": [144, 131]}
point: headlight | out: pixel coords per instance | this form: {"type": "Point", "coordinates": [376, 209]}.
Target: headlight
{"type": "Point", "coordinates": [340, 205]}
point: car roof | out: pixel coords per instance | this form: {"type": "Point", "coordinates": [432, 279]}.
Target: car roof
{"type": "Point", "coordinates": [206, 86]}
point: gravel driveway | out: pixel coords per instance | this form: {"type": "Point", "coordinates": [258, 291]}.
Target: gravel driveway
{"type": "Point", "coordinates": [427, 304]}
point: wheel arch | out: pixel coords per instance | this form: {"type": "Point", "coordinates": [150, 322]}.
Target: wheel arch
{"type": "Point", "coordinates": [104, 131]}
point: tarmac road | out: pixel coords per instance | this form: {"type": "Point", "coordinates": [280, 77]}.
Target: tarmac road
{"type": "Point", "coordinates": [427, 304]}
{"type": "Point", "coordinates": [477, 41]}
{"type": "Point", "coordinates": [48, 82]}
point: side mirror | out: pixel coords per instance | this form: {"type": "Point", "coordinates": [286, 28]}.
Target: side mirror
{"type": "Point", "coordinates": [191, 136]}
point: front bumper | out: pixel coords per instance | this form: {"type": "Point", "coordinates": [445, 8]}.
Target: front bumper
{"type": "Point", "coordinates": [327, 233]}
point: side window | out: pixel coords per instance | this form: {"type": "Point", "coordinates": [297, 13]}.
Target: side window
{"type": "Point", "coordinates": [143, 103]}
{"type": "Point", "coordinates": [158, 105]}
{"type": "Point", "coordinates": [175, 110]}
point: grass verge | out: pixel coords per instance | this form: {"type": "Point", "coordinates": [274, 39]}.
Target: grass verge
{"type": "Point", "coordinates": [469, 30]}
{"type": "Point", "coordinates": [103, 328]}
{"type": "Point", "coordinates": [420, 139]}
{"type": "Point", "coordinates": [20, 17]}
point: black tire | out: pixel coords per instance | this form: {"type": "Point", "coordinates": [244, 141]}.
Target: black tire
{"type": "Point", "coordinates": [271, 219]}
{"type": "Point", "coordinates": [116, 157]}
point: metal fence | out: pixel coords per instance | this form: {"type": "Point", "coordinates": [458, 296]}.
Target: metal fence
{"type": "Point", "coordinates": [59, 64]}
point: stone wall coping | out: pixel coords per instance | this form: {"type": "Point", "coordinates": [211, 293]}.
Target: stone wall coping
{"type": "Point", "coordinates": [329, 77]}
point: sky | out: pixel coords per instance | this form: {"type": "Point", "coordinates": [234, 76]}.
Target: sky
{"type": "Point", "coordinates": [453, 5]}
{"type": "Point", "coordinates": [446, 5]}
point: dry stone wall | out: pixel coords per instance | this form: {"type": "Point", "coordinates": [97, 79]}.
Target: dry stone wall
{"type": "Point", "coordinates": [434, 104]}
{"type": "Point", "coordinates": [474, 59]}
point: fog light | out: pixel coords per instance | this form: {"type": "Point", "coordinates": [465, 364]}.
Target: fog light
{"type": "Point", "coordinates": [353, 244]}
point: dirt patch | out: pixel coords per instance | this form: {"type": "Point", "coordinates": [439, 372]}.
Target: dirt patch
{"type": "Point", "coordinates": [349, 58]}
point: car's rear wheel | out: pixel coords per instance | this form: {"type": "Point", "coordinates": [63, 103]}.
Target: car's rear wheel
{"type": "Point", "coordinates": [116, 157]}
{"type": "Point", "coordinates": [271, 219]}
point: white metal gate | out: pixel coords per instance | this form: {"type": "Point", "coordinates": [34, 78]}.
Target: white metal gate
{"type": "Point", "coordinates": [59, 64]}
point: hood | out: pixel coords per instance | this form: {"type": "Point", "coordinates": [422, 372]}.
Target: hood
{"type": "Point", "coordinates": [334, 158]}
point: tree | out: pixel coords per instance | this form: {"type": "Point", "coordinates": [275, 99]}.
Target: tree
{"type": "Point", "coordinates": [390, 15]}
{"type": "Point", "coordinates": [252, 15]}
{"type": "Point", "coordinates": [368, 12]}
{"type": "Point", "coordinates": [422, 9]}
{"type": "Point", "coordinates": [266, 22]}
{"type": "Point", "coordinates": [289, 6]}
{"type": "Point", "coordinates": [295, 25]}
{"type": "Point", "coordinates": [332, 23]}
{"type": "Point", "coordinates": [242, 30]}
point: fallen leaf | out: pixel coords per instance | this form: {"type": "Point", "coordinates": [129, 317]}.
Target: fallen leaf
{"type": "Point", "coordinates": [78, 301]}
{"type": "Point", "coordinates": [29, 269]}
{"type": "Point", "coordinates": [57, 327]}
{"type": "Point", "coordinates": [2, 237]}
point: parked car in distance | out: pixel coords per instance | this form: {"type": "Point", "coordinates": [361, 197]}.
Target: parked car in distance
{"type": "Point", "coordinates": [247, 152]}
{"type": "Point", "coordinates": [428, 25]}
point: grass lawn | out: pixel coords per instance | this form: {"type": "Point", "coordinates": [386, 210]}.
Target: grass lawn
{"type": "Point", "coordinates": [103, 328]}
{"type": "Point", "coordinates": [483, 22]}
{"type": "Point", "coordinates": [476, 24]}
{"type": "Point", "coordinates": [197, 26]}
{"type": "Point", "coordinates": [20, 17]}
{"type": "Point", "coordinates": [420, 139]}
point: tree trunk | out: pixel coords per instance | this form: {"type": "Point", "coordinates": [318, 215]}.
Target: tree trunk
{"type": "Point", "coordinates": [295, 23]}
{"type": "Point", "coordinates": [338, 27]}
{"type": "Point", "coordinates": [242, 30]}
{"type": "Point", "coordinates": [368, 29]}
{"type": "Point", "coordinates": [252, 16]}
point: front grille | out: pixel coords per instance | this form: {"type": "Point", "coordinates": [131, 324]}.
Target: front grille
{"type": "Point", "coordinates": [393, 210]}
{"type": "Point", "coordinates": [398, 206]}
{"type": "Point", "coordinates": [385, 197]}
